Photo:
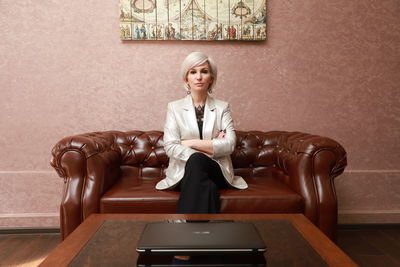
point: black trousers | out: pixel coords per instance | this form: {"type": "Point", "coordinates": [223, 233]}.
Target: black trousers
{"type": "Point", "coordinates": [200, 186]}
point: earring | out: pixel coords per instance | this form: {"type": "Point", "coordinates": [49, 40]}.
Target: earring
{"type": "Point", "coordinates": [209, 91]}
{"type": "Point", "coordinates": [188, 92]}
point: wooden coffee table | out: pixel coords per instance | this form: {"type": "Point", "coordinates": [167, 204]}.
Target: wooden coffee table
{"type": "Point", "coordinates": [105, 239]}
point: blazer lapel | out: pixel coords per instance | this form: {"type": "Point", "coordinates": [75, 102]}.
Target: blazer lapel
{"type": "Point", "coordinates": [190, 117]}
{"type": "Point", "coordinates": [209, 118]}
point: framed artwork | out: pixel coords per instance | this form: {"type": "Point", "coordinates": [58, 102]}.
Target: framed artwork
{"type": "Point", "coordinates": [193, 20]}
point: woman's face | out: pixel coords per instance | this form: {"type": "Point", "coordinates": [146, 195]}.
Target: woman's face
{"type": "Point", "coordinates": [199, 77]}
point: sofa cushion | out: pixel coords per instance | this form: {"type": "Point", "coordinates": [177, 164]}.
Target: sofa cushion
{"type": "Point", "coordinates": [265, 194]}
{"type": "Point", "coordinates": [138, 195]}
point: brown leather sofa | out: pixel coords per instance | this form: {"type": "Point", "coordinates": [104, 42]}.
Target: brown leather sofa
{"type": "Point", "coordinates": [116, 172]}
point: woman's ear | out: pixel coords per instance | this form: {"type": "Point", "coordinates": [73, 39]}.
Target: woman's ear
{"type": "Point", "coordinates": [186, 76]}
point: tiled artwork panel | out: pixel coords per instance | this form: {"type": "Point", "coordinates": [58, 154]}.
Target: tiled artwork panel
{"type": "Point", "coordinates": [193, 20]}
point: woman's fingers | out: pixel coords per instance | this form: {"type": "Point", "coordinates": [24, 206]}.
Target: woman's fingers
{"type": "Point", "coordinates": [221, 134]}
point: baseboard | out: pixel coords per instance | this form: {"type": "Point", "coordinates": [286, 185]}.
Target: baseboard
{"type": "Point", "coordinates": [368, 217]}
{"type": "Point", "coordinates": [368, 226]}
{"type": "Point", "coordinates": [28, 230]}
{"type": "Point", "coordinates": [29, 220]}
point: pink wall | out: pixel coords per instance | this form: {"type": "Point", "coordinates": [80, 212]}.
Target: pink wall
{"type": "Point", "coordinates": [329, 67]}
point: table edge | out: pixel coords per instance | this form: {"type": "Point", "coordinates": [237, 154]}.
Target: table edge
{"type": "Point", "coordinates": [67, 250]}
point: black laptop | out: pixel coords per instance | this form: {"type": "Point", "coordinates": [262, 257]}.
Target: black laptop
{"type": "Point", "coordinates": [200, 238]}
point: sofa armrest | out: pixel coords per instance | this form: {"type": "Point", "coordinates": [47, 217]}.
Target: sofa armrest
{"type": "Point", "coordinates": [89, 164]}
{"type": "Point", "coordinates": [312, 162]}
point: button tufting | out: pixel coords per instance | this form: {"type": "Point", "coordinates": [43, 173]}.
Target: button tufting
{"type": "Point", "coordinates": [152, 147]}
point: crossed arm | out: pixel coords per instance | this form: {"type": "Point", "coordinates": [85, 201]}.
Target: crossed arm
{"type": "Point", "coordinates": [175, 147]}
{"type": "Point", "coordinates": [205, 146]}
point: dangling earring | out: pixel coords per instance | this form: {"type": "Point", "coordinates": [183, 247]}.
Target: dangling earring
{"type": "Point", "coordinates": [209, 91]}
{"type": "Point", "coordinates": [188, 89]}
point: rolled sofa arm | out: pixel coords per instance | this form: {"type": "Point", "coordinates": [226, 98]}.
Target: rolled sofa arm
{"type": "Point", "coordinates": [312, 162]}
{"type": "Point", "coordinates": [89, 164]}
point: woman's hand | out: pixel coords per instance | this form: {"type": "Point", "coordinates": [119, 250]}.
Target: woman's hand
{"type": "Point", "coordinates": [221, 134]}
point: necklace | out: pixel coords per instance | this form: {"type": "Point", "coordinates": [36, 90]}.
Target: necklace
{"type": "Point", "coordinates": [200, 107]}
{"type": "Point", "coordinates": [199, 112]}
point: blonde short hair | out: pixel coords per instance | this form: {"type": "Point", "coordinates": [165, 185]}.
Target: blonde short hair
{"type": "Point", "coordinates": [194, 59]}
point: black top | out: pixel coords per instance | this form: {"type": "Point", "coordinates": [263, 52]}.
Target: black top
{"type": "Point", "coordinates": [200, 116]}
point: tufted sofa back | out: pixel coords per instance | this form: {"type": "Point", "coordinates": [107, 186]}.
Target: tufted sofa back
{"type": "Point", "coordinates": [143, 153]}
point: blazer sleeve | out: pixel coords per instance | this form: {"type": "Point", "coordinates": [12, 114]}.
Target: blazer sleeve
{"type": "Point", "coordinates": [225, 146]}
{"type": "Point", "coordinates": [172, 138]}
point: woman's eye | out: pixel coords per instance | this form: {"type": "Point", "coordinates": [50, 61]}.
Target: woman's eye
{"type": "Point", "coordinates": [193, 72]}
{"type": "Point", "coordinates": [205, 71]}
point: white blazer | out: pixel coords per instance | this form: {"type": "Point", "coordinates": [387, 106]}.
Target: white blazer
{"type": "Point", "coordinates": [181, 124]}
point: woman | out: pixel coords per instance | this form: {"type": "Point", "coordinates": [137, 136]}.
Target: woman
{"type": "Point", "coordinates": [199, 138]}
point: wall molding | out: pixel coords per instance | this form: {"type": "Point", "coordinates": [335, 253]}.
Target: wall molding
{"type": "Point", "coordinates": [372, 171]}
{"type": "Point", "coordinates": [24, 171]}
{"type": "Point", "coordinates": [29, 220]}
{"type": "Point", "coordinates": [369, 216]}
{"type": "Point", "coordinates": [29, 230]}
{"type": "Point", "coordinates": [27, 215]}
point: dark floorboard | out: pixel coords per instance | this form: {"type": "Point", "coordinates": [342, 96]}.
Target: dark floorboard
{"type": "Point", "coordinates": [371, 247]}
{"type": "Point", "coordinates": [375, 246]}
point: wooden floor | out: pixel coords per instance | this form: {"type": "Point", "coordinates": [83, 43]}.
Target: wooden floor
{"type": "Point", "coordinates": [26, 249]}
{"type": "Point", "coordinates": [373, 246]}
{"type": "Point", "coordinates": [367, 246]}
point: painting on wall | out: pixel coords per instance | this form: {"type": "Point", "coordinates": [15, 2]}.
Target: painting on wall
{"type": "Point", "coordinates": [193, 20]}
